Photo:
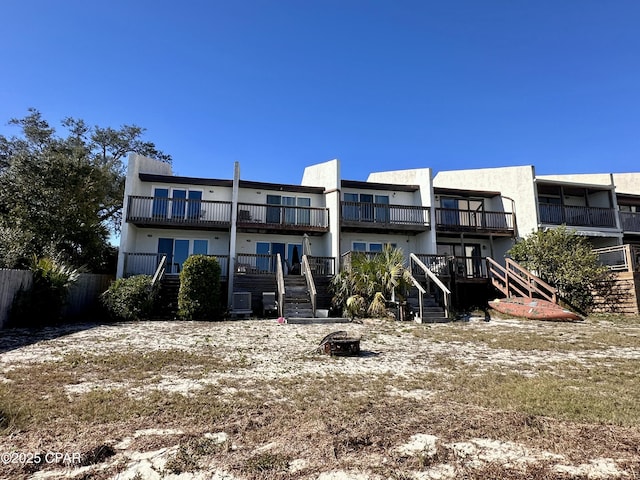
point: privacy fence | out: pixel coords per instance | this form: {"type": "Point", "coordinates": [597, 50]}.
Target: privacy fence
{"type": "Point", "coordinates": [82, 295]}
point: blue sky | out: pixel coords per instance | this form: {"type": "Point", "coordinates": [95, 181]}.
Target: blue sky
{"type": "Point", "coordinates": [278, 85]}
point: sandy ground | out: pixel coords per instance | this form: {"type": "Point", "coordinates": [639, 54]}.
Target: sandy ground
{"type": "Point", "coordinates": [273, 351]}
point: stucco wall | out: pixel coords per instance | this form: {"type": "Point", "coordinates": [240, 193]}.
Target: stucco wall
{"type": "Point", "coordinates": [422, 177]}
{"type": "Point", "coordinates": [628, 183]}
{"type": "Point", "coordinates": [325, 174]}
{"type": "Point", "coordinates": [514, 183]}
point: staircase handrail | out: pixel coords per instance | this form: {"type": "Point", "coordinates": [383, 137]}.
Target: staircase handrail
{"type": "Point", "coordinates": [280, 283]}
{"type": "Point", "coordinates": [160, 269]}
{"type": "Point", "coordinates": [311, 285]}
{"type": "Point", "coordinates": [519, 280]}
{"type": "Point", "coordinates": [432, 276]}
{"type": "Point", "coordinates": [421, 292]}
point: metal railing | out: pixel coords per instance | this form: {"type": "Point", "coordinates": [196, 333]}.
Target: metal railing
{"type": "Point", "coordinates": [178, 211]}
{"type": "Point", "coordinates": [472, 220]}
{"type": "Point", "coordinates": [515, 279]}
{"type": "Point", "coordinates": [577, 216]}
{"type": "Point", "coordinates": [384, 214]}
{"type": "Point", "coordinates": [446, 293]}
{"type": "Point", "coordinates": [630, 221]}
{"type": "Point", "coordinates": [281, 216]}
{"type": "Point", "coordinates": [311, 286]}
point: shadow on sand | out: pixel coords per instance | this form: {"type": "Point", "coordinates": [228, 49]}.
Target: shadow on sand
{"type": "Point", "coordinates": [13, 338]}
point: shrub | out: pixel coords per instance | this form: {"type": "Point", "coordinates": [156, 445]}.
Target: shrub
{"type": "Point", "coordinates": [199, 294]}
{"type": "Point", "coordinates": [129, 298]}
{"type": "Point", "coordinates": [43, 302]}
{"type": "Point", "coordinates": [564, 259]}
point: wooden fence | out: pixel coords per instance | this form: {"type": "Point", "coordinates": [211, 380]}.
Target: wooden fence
{"type": "Point", "coordinates": [82, 295]}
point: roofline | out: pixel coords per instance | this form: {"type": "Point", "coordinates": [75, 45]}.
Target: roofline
{"type": "Point", "coordinates": [465, 193]}
{"type": "Point", "coordinates": [574, 184]}
{"type": "Point", "coordinates": [216, 182]}
{"type": "Point", "coordinates": [281, 187]}
{"type": "Point", "coordinates": [379, 186]}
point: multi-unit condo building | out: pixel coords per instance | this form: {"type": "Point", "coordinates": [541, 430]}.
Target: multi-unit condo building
{"type": "Point", "coordinates": [267, 234]}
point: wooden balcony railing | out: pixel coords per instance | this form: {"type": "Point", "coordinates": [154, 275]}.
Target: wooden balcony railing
{"type": "Point", "coordinates": [380, 214]}
{"type": "Point", "coordinates": [322, 266]}
{"type": "Point", "coordinates": [452, 219]}
{"type": "Point", "coordinates": [256, 263]}
{"type": "Point", "coordinates": [458, 266]}
{"type": "Point", "coordinates": [630, 221]}
{"type": "Point", "coordinates": [147, 263]}
{"type": "Point", "coordinates": [577, 216]}
{"type": "Point", "coordinates": [621, 258]}
{"type": "Point", "coordinates": [179, 212]}
{"type": "Point", "coordinates": [282, 217]}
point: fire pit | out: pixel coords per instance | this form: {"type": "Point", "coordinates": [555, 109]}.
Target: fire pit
{"type": "Point", "coordinates": [340, 343]}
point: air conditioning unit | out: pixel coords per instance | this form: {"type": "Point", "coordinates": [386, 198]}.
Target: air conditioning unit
{"type": "Point", "coordinates": [242, 301]}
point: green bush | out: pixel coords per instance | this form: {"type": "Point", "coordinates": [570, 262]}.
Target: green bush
{"type": "Point", "coordinates": [43, 302]}
{"type": "Point", "coordinates": [199, 294]}
{"type": "Point", "coordinates": [130, 298]}
{"type": "Point", "coordinates": [565, 260]}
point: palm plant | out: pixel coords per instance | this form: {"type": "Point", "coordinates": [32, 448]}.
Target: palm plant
{"type": "Point", "coordinates": [373, 278]}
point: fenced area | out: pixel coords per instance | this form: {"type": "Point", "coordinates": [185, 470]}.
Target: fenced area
{"type": "Point", "coordinates": [82, 295]}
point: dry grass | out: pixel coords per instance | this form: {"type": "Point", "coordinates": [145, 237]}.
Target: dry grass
{"type": "Point", "coordinates": [568, 390]}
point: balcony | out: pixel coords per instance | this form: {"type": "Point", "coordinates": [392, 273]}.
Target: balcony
{"type": "Point", "coordinates": [630, 222]}
{"type": "Point", "coordinates": [461, 267]}
{"type": "Point", "coordinates": [456, 220]}
{"type": "Point", "coordinates": [372, 217]}
{"type": "Point", "coordinates": [577, 216]}
{"type": "Point", "coordinates": [178, 213]}
{"type": "Point", "coordinates": [263, 218]}
{"type": "Point", "coordinates": [146, 264]}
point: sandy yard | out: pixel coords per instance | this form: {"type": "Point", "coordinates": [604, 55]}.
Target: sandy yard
{"type": "Point", "coordinates": [254, 399]}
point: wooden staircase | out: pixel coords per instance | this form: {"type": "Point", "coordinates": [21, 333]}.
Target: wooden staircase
{"type": "Point", "coordinates": [166, 307]}
{"type": "Point", "coordinates": [297, 301]}
{"type": "Point", "coordinates": [432, 310]}
{"type": "Point", "coordinates": [513, 280]}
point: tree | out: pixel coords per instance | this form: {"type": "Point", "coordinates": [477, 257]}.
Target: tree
{"type": "Point", "coordinates": [62, 195]}
{"type": "Point", "coordinates": [565, 260]}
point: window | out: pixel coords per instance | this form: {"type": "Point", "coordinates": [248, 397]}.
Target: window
{"type": "Point", "coordinates": [375, 247]}
{"type": "Point", "coordinates": [359, 247]}
{"type": "Point", "coordinates": [462, 211]}
{"type": "Point", "coordinates": [292, 215]}
{"type": "Point", "coordinates": [160, 202]}
{"type": "Point", "coordinates": [366, 207]}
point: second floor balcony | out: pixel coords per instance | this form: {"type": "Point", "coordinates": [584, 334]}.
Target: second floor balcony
{"type": "Point", "coordinates": [630, 222]}
{"type": "Point", "coordinates": [254, 217]}
{"type": "Point", "coordinates": [577, 216]}
{"type": "Point", "coordinates": [363, 216]}
{"type": "Point", "coordinates": [167, 212]}
{"type": "Point", "coordinates": [474, 221]}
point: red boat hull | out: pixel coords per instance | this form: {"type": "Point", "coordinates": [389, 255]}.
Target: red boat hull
{"type": "Point", "coordinates": [533, 308]}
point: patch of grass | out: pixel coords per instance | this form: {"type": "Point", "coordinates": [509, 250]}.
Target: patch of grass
{"type": "Point", "coordinates": [266, 462]}
{"type": "Point", "coordinates": [183, 461]}
{"type": "Point", "coordinates": [128, 366]}
{"type": "Point", "coordinates": [546, 336]}
{"type": "Point", "coordinates": [605, 394]}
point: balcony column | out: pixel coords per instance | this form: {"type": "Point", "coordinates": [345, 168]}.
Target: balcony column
{"type": "Point", "coordinates": [233, 232]}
